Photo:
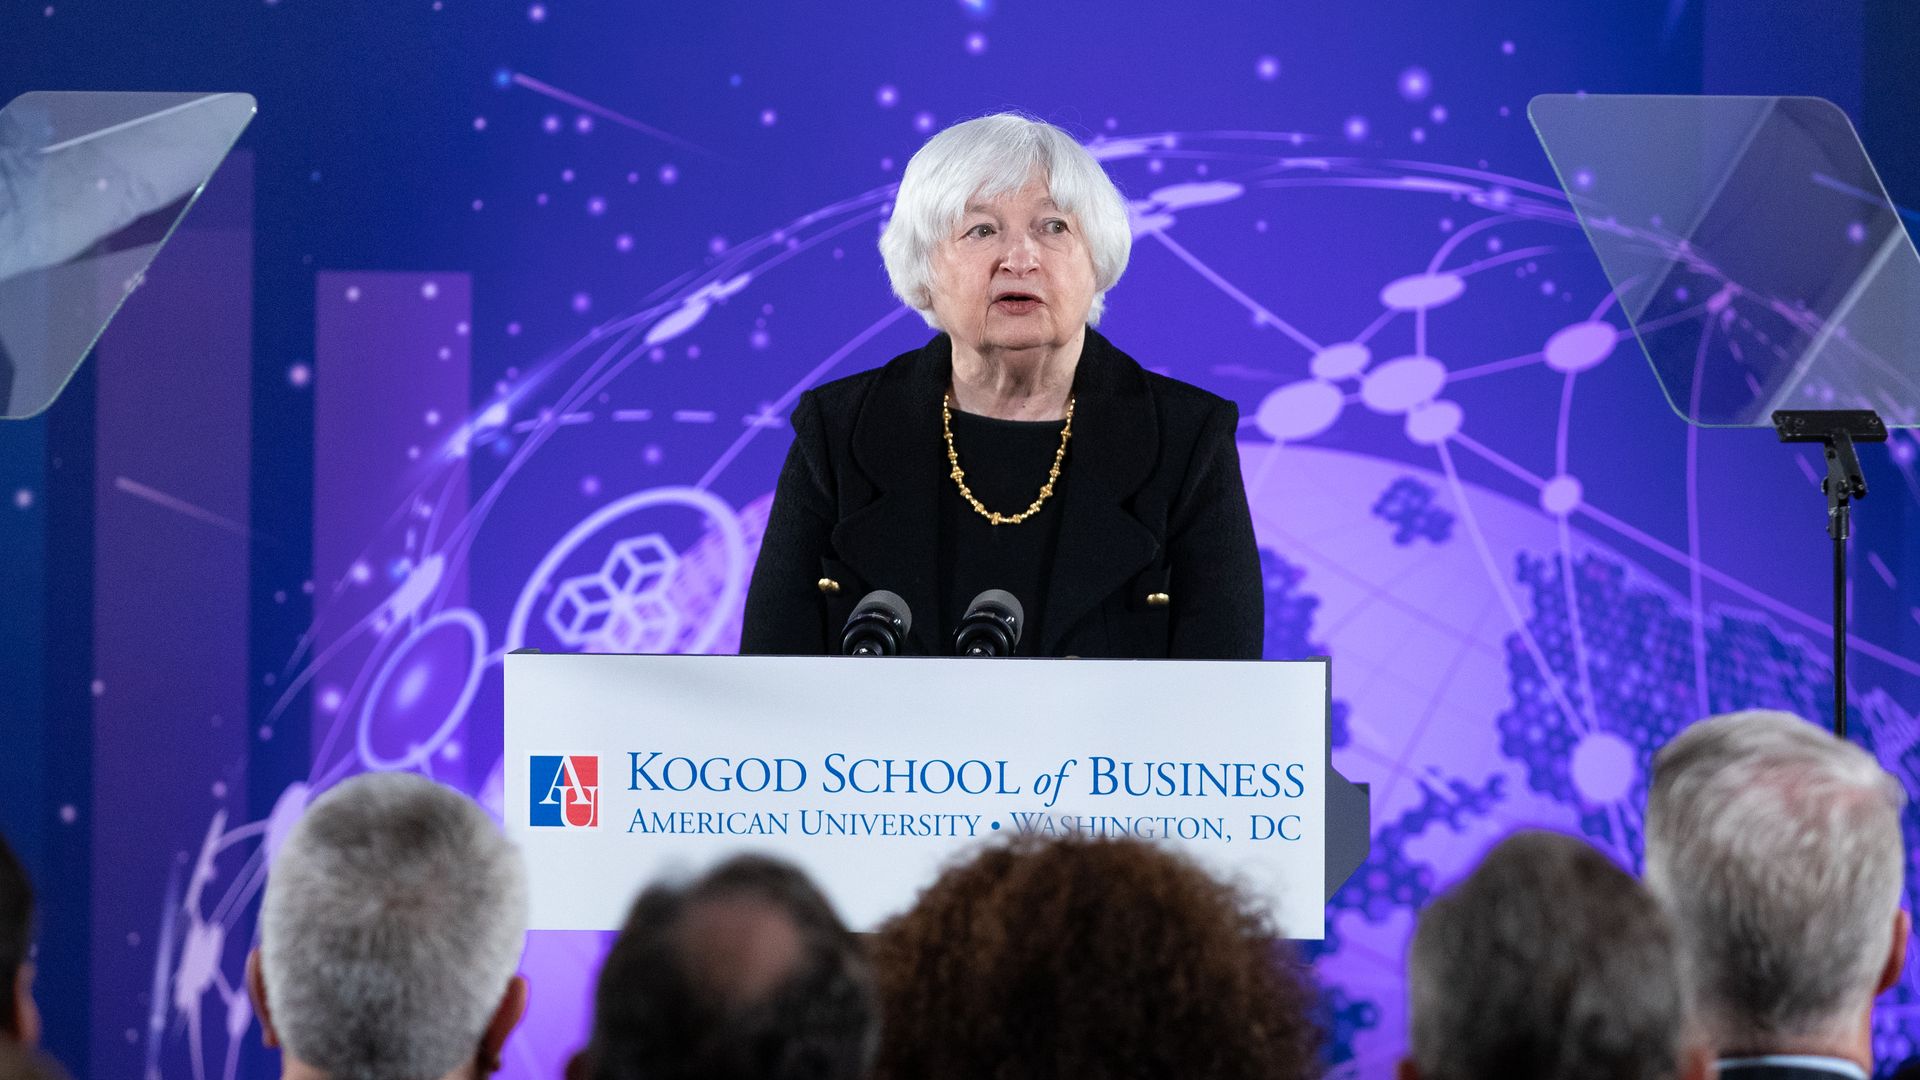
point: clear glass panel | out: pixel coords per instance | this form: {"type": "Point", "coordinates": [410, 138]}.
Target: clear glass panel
{"type": "Point", "coordinates": [1752, 248]}
{"type": "Point", "coordinates": [91, 186]}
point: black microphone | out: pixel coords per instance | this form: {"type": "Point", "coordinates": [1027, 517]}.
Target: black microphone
{"type": "Point", "coordinates": [878, 626]}
{"type": "Point", "coordinates": [991, 626]}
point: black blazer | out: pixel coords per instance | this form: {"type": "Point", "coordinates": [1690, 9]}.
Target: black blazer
{"type": "Point", "coordinates": [1154, 504]}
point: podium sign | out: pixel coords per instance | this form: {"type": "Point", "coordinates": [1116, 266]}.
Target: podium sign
{"type": "Point", "coordinates": [874, 774]}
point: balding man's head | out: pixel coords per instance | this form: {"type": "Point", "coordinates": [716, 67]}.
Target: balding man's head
{"type": "Point", "coordinates": [747, 973]}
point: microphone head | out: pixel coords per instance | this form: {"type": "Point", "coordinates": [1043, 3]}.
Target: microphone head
{"type": "Point", "coordinates": [889, 604]}
{"type": "Point", "coordinates": [1008, 603]}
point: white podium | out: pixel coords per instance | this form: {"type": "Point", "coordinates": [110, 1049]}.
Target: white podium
{"type": "Point", "coordinates": [873, 773]}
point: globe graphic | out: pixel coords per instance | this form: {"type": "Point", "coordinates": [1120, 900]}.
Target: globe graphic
{"type": "Point", "coordinates": [1405, 447]}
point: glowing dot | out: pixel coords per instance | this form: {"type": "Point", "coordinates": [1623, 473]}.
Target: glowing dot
{"type": "Point", "coordinates": [478, 205]}
{"type": "Point", "coordinates": [1356, 128]}
{"type": "Point", "coordinates": [479, 123]}
{"type": "Point", "coordinates": [541, 199]}
{"type": "Point", "coordinates": [1560, 495]}
{"type": "Point", "coordinates": [759, 339]}
{"type": "Point", "coordinates": [429, 289]}
{"type": "Point", "coordinates": [733, 81]}
{"type": "Point", "coordinates": [1418, 135]}
{"type": "Point", "coordinates": [1434, 422]}
{"type": "Point", "coordinates": [887, 96]}
{"type": "Point", "coordinates": [633, 178]}
{"type": "Point", "coordinates": [69, 814]}
{"type": "Point", "coordinates": [1300, 410]}
{"type": "Point", "coordinates": [1507, 47]}
{"type": "Point", "coordinates": [353, 294]}
{"type": "Point", "coordinates": [596, 206]}
{"type": "Point", "coordinates": [361, 573]}
{"type": "Point", "coordinates": [433, 418]}
{"type": "Point", "coordinates": [1580, 346]}
{"type": "Point", "coordinates": [550, 124]}
{"type": "Point", "coordinates": [462, 328]}
{"type": "Point", "coordinates": [330, 699]}
{"type": "Point", "coordinates": [502, 78]}
{"type": "Point", "coordinates": [1415, 84]}
{"type": "Point", "coordinates": [976, 43]}
{"type": "Point", "coordinates": [219, 789]}
{"type": "Point", "coordinates": [1438, 114]}
{"type": "Point", "coordinates": [716, 245]}
{"type": "Point", "coordinates": [1583, 178]}
{"type": "Point", "coordinates": [1267, 68]}
{"type": "Point", "coordinates": [299, 376]}
{"type": "Point", "coordinates": [886, 164]}
{"type": "Point", "coordinates": [513, 329]}
{"type": "Point", "coordinates": [581, 302]}
{"type": "Point", "coordinates": [583, 124]}
{"type": "Point", "coordinates": [1603, 767]}
{"type": "Point", "coordinates": [768, 118]}
{"type": "Point", "coordinates": [1341, 361]}
{"type": "Point", "coordinates": [1402, 383]}
{"type": "Point", "coordinates": [651, 455]}
{"type": "Point", "coordinates": [566, 176]}
{"type": "Point", "coordinates": [1421, 291]}
{"type": "Point", "coordinates": [589, 486]}
{"type": "Point", "coordinates": [537, 13]}
{"type": "Point", "coordinates": [1857, 233]}
{"type": "Point", "coordinates": [923, 122]}
{"type": "Point", "coordinates": [669, 174]}
{"type": "Point", "coordinates": [23, 498]}
{"type": "Point", "coordinates": [623, 242]}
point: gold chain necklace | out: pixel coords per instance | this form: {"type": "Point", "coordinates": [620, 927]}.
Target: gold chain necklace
{"type": "Point", "coordinates": [960, 477]}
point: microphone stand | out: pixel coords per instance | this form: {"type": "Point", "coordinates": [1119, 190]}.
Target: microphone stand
{"type": "Point", "coordinates": [1838, 430]}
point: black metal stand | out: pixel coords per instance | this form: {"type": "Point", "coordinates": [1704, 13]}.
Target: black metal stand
{"type": "Point", "coordinates": [1838, 429]}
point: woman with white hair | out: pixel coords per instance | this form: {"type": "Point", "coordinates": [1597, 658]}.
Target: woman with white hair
{"type": "Point", "coordinates": [1019, 449]}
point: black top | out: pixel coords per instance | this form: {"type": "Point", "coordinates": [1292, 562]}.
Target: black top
{"type": "Point", "coordinates": [1006, 461]}
{"type": "Point", "coordinates": [1152, 551]}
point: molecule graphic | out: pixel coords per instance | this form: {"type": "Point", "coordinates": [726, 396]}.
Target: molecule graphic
{"type": "Point", "coordinates": [623, 607]}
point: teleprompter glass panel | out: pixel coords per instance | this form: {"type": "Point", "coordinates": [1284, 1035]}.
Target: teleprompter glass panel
{"type": "Point", "coordinates": [91, 186]}
{"type": "Point", "coordinates": [1751, 246]}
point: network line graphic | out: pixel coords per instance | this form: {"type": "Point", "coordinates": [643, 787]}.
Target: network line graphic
{"type": "Point", "coordinates": [1506, 650]}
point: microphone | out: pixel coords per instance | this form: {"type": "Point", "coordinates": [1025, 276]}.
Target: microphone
{"type": "Point", "coordinates": [991, 626]}
{"type": "Point", "coordinates": [878, 626]}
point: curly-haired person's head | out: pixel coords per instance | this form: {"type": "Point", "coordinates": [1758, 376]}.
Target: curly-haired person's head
{"type": "Point", "coordinates": [1089, 959]}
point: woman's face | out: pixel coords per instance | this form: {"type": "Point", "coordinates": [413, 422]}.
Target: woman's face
{"type": "Point", "coordinates": [1014, 273]}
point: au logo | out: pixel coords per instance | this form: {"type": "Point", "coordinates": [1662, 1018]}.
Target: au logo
{"type": "Point", "coordinates": [564, 792]}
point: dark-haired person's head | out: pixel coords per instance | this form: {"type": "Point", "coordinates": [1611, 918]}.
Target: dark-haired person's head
{"type": "Point", "coordinates": [1089, 959]}
{"type": "Point", "coordinates": [1551, 963]}
{"type": "Point", "coordinates": [19, 1020]}
{"type": "Point", "coordinates": [744, 974]}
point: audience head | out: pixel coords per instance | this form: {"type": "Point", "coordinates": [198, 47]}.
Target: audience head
{"type": "Point", "coordinates": [1547, 962]}
{"type": "Point", "coordinates": [19, 1020]}
{"type": "Point", "coordinates": [391, 929]}
{"type": "Point", "coordinates": [745, 974]}
{"type": "Point", "coordinates": [1088, 959]}
{"type": "Point", "coordinates": [1777, 848]}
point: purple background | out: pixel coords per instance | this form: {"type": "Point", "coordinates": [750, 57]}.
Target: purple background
{"type": "Point", "coordinates": [489, 293]}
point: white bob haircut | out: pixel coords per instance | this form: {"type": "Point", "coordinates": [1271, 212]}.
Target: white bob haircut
{"type": "Point", "coordinates": [1776, 847]}
{"type": "Point", "coordinates": [393, 921]}
{"type": "Point", "coordinates": [985, 158]}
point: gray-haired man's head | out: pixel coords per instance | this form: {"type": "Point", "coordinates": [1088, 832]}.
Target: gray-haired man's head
{"type": "Point", "coordinates": [1547, 962]}
{"type": "Point", "coordinates": [392, 926]}
{"type": "Point", "coordinates": [1777, 848]}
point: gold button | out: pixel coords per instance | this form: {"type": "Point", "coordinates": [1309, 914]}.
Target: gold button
{"type": "Point", "coordinates": [1158, 599]}
{"type": "Point", "coordinates": [828, 585]}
